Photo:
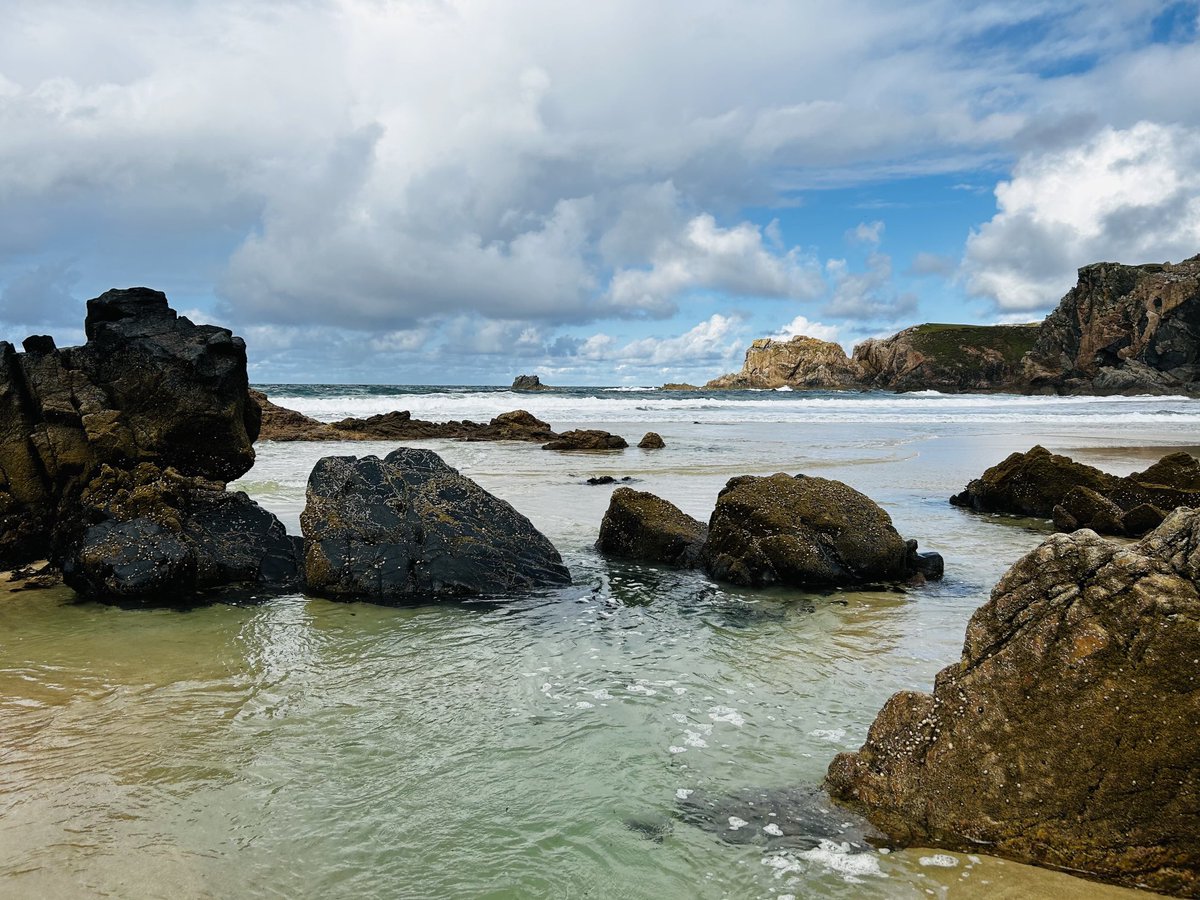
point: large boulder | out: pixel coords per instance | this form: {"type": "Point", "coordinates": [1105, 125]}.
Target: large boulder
{"type": "Point", "coordinates": [148, 386]}
{"type": "Point", "coordinates": [1075, 495]}
{"type": "Point", "coordinates": [1066, 736]}
{"type": "Point", "coordinates": [1031, 484]}
{"type": "Point", "coordinates": [805, 532]}
{"type": "Point", "coordinates": [410, 526]}
{"type": "Point", "coordinates": [586, 439]}
{"type": "Point", "coordinates": [157, 536]}
{"type": "Point", "coordinates": [641, 526]}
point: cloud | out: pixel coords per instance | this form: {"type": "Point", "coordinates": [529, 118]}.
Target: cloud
{"type": "Point", "coordinates": [705, 256]}
{"type": "Point", "coordinates": [714, 340]}
{"type": "Point", "coordinates": [42, 295]}
{"type": "Point", "coordinates": [867, 233]}
{"type": "Point", "coordinates": [1129, 195]}
{"type": "Point", "coordinates": [867, 295]}
{"type": "Point", "coordinates": [932, 264]}
{"type": "Point", "coordinates": [803, 327]}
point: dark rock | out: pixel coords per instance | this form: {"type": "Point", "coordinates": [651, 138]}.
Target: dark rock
{"type": "Point", "coordinates": [39, 343]}
{"type": "Point", "coordinates": [602, 479]}
{"type": "Point", "coordinates": [1084, 508]}
{"type": "Point", "coordinates": [680, 386]}
{"type": "Point", "coordinates": [1031, 484]}
{"type": "Point", "coordinates": [802, 531]}
{"type": "Point", "coordinates": [282, 424]}
{"type": "Point", "coordinates": [409, 525]}
{"type": "Point", "coordinates": [586, 440]}
{"type": "Point", "coordinates": [928, 565]}
{"type": "Point", "coordinates": [529, 383]}
{"type": "Point", "coordinates": [638, 525]}
{"type": "Point", "coordinates": [947, 358]}
{"type": "Point", "coordinates": [1066, 736]}
{"type": "Point", "coordinates": [1142, 518]}
{"type": "Point", "coordinates": [162, 537]}
{"type": "Point", "coordinates": [651, 441]}
{"type": "Point", "coordinates": [147, 386]}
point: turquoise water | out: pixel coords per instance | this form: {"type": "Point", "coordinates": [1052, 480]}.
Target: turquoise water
{"type": "Point", "coordinates": [303, 748]}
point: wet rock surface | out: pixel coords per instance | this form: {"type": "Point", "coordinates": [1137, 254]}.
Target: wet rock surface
{"type": "Point", "coordinates": [651, 440]}
{"type": "Point", "coordinates": [1066, 735]}
{"type": "Point", "coordinates": [586, 439]}
{"type": "Point", "coordinates": [641, 526]}
{"type": "Point", "coordinates": [410, 526]}
{"type": "Point", "coordinates": [1047, 485]}
{"type": "Point", "coordinates": [802, 531]}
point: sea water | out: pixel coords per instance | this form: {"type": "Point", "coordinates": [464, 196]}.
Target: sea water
{"type": "Point", "coordinates": [541, 745]}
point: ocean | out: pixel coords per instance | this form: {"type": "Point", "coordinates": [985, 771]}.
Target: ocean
{"type": "Point", "coordinates": [542, 745]}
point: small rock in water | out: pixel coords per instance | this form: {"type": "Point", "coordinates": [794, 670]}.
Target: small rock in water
{"type": "Point", "coordinates": [652, 829]}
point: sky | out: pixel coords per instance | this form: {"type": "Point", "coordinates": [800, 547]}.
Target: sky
{"type": "Point", "coordinates": [616, 192]}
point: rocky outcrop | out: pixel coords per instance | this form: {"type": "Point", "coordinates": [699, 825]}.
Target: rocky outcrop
{"type": "Point", "coordinates": [641, 526]}
{"type": "Point", "coordinates": [149, 386]}
{"type": "Point", "coordinates": [1066, 735]}
{"type": "Point", "coordinates": [1047, 485]}
{"type": "Point", "coordinates": [802, 362]}
{"type": "Point", "coordinates": [949, 358]}
{"type": "Point", "coordinates": [282, 424]}
{"type": "Point", "coordinates": [680, 386]}
{"type": "Point", "coordinates": [651, 440]}
{"type": "Point", "coordinates": [409, 526]}
{"type": "Point", "coordinates": [1122, 330]}
{"type": "Point", "coordinates": [804, 532]}
{"type": "Point", "coordinates": [589, 439]}
{"type": "Point", "coordinates": [529, 383]}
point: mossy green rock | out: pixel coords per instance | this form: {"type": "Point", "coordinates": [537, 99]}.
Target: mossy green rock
{"type": "Point", "coordinates": [802, 531]}
{"type": "Point", "coordinates": [640, 526]}
{"type": "Point", "coordinates": [1066, 736]}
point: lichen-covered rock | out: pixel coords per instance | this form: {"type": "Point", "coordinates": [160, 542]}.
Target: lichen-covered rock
{"type": "Point", "coordinates": [802, 362]}
{"type": "Point", "coordinates": [157, 536]}
{"type": "Point", "coordinates": [148, 385]}
{"type": "Point", "coordinates": [1075, 495]}
{"type": "Point", "coordinates": [1031, 484]}
{"type": "Point", "coordinates": [410, 526]}
{"type": "Point", "coordinates": [651, 440]}
{"type": "Point", "coordinates": [586, 439]}
{"type": "Point", "coordinates": [1122, 330]}
{"type": "Point", "coordinates": [802, 531]}
{"type": "Point", "coordinates": [641, 526]}
{"type": "Point", "coordinates": [1066, 735]}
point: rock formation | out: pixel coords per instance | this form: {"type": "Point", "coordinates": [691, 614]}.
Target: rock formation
{"type": "Point", "coordinates": [802, 362]}
{"type": "Point", "coordinates": [410, 526]}
{"type": "Point", "coordinates": [1047, 485]}
{"type": "Point", "coordinates": [589, 439]}
{"type": "Point", "coordinates": [1066, 735]}
{"type": "Point", "coordinates": [680, 386]}
{"type": "Point", "coordinates": [651, 440]}
{"type": "Point", "coordinates": [1122, 330]}
{"type": "Point", "coordinates": [282, 424]}
{"type": "Point", "coordinates": [804, 532]}
{"type": "Point", "coordinates": [948, 358]}
{"type": "Point", "coordinates": [133, 435]}
{"type": "Point", "coordinates": [640, 526]}
{"type": "Point", "coordinates": [781, 530]}
{"type": "Point", "coordinates": [529, 383]}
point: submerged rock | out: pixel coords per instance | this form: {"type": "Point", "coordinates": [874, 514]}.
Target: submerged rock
{"type": "Point", "coordinates": [1075, 495]}
{"type": "Point", "coordinates": [638, 525]}
{"type": "Point", "coordinates": [802, 531]}
{"type": "Point", "coordinates": [1066, 736]}
{"type": "Point", "coordinates": [652, 440]}
{"type": "Point", "coordinates": [590, 439]}
{"type": "Point", "coordinates": [409, 526]}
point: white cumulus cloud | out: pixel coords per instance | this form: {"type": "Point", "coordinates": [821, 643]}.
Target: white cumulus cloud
{"type": "Point", "coordinates": [1128, 195]}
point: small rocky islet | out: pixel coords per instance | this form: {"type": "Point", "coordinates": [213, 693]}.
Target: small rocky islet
{"type": "Point", "coordinates": [1065, 737]}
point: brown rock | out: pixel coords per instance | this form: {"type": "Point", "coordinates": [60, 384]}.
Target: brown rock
{"type": "Point", "coordinates": [590, 439]}
{"type": "Point", "coordinates": [1031, 484]}
{"type": "Point", "coordinates": [282, 424]}
{"type": "Point", "coordinates": [638, 525]}
{"type": "Point", "coordinates": [1066, 736]}
{"type": "Point", "coordinates": [946, 357]}
{"type": "Point", "coordinates": [651, 441]}
{"type": "Point", "coordinates": [802, 362]}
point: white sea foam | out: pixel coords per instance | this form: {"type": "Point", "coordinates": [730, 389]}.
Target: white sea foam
{"type": "Point", "coordinates": [736, 824]}
{"type": "Point", "coordinates": [833, 735]}
{"type": "Point", "coordinates": [772, 829]}
{"type": "Point", "coordinates": [940, 860]}
{"type": "Point", "coordinates": [830, 855]}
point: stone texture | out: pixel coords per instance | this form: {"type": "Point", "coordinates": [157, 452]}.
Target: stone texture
{"type": "Point", "coordinates": [802, 362]}
{"type": "Point", "coordinates": [652, 440]}
{"type": "Point", "coordinates": [529, 383]}
{"type": "Point", "coordinates": [802, 531]}
{"type": "Point", "coordinates": [641, 526]}
{"type": "Point", "coordinates": [409, 526]}
{"type": "Point", "coordinates": [1066, 735]}
{"type": "Point", "coordinates": [589, 439]}
{"type": "Point", "coordinates": [948, 358]}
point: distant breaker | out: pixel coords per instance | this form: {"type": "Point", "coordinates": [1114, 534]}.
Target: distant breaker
{"type": "Point", "coordinates": [1121, 330]}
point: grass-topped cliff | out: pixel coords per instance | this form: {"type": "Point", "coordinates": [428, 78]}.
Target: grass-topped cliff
{"type": "Point", "coordinates": [943, 357]}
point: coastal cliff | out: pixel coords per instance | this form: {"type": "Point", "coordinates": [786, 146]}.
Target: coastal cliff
{"type": "Point", "coordinates": [801, 362]}
{"type": "Point", "coordinates": [1122, 329]}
